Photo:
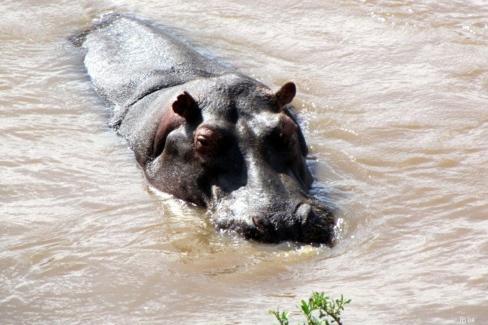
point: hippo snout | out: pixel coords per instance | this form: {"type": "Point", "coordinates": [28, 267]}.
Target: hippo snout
{"type": "Point", "coordinates": [305, 223]}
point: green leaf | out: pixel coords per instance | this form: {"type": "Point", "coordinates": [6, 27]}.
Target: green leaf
{"type": "Point", "coordinates": [305, 307]}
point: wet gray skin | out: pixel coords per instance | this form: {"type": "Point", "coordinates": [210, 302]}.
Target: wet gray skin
{"type": "Point", "coordinates": [207, 134]}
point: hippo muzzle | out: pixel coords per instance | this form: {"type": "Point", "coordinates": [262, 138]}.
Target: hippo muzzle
{"type": "Point", "coordinates": [273, 209]}
{"type": "Point", "coordinates": [305, 223]}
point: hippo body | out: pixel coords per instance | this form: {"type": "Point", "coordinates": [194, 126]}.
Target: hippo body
{"type": "Point", "coordinates": [206, 133]}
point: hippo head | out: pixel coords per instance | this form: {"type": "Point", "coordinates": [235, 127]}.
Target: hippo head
{"type": "Point", "coordinates": [235, 147]}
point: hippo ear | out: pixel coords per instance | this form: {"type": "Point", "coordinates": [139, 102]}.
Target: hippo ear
{"type": "Point", "coordinates": [186, 107]}
{"type": "Point", "coordinates": [286, 94]}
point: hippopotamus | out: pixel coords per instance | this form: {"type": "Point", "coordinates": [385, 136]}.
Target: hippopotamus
{"type": "Point", "coordinates": [207, 133]}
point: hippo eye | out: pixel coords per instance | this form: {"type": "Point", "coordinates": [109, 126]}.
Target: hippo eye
{"type": "Point", "coordinates": [201, 142]}
{"type": "Point", "coordinates": [207, 140]}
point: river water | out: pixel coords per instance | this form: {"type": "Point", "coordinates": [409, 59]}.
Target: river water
{"type": "Point", "coordinates": [394, 101]}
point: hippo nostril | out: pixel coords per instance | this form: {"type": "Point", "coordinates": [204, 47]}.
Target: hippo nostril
{"type": "Point", "coordinates": [317, 225]}
{"type": "Point", "coordinates": [259, 225]}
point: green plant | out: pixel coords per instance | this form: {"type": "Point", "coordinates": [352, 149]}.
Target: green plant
{"type": "Point", "coordinates": [318, 310]}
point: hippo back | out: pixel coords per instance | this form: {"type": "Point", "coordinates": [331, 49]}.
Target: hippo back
{"type": "Point", "coordinates": [129, 59]}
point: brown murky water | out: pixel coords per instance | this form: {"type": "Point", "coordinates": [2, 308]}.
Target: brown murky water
{"type": "Point", "coordinates": [394, 98]}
